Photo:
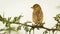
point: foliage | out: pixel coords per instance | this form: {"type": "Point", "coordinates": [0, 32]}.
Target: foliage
{"type": "Point", "coordinates": [16, 19]}
{"type": "Point", "coordinates": [45, 32]}
{"type": "Point", "coordinates": [57, 18]}
{"type": "Point", "coordinates": [19, 28]}
{"type": "Point", "coordinates": [8, 22]}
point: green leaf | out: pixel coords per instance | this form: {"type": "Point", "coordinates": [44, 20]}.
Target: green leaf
{"type": "Point", "coordinates": [18, 28]}
{"type": "Point", "coordinates": [26, 28]}
{"type": "Point", "coordinates": [8, 22]}
{"type": "Point", "coordinates": [7, 25]}
{"type": "Point", "coordinates": [20, 17]}
{"type": "Point", "coordinates": [38, 28]}
{"type": "Point", "coordinates": [0, 16]}
{"type": "Point", "coordinates": [40, 25]}
{"type": "Point", "coordinates": [53, 31]}
{"type": "Point", "coordinates": [25, 23]}
{"type": "Point", "coordinates": [57, 18]}
{"type": "Point", "coordinates": [15, 19]}
{"type": "Point", "coordinates": [31, 29]}
{"type": "Point", "coordinates": [58, 15]}
{"type": "Point", "coordinates": [45, 32]}
{"type": "Point", "coordinates": [10, 28]}
{"type": "Point", "coordinates": [9, 18]}
{"type": "Point", "coordinates": [2, 29]}
{"type": "Point", "coordinates": [4, 20]}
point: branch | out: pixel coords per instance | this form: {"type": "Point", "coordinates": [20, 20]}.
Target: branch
{"type": "Point", "coordinates": [38, 26]}
{"type": "Point", "coordinates": [1, 19]}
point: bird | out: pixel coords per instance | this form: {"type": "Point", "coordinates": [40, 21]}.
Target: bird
{"type": "Point", "coordinates": [37, 15]}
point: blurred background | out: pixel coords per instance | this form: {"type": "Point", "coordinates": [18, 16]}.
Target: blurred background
{"type": "Point", "coordinates": [12, 8]}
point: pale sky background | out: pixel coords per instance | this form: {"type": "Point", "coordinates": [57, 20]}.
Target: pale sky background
{"type": "Point", "coordinates": [13, 8]}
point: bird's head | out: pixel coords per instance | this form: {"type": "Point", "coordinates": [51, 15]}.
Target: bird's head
{"type": "Point", "coordinates": [36, 7]}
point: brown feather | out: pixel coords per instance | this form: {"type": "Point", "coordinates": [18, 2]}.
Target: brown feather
{"type": "Point", "coordinates": [37, 15]}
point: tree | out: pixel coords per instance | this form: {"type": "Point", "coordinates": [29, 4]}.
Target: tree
{"type": "Point", "coordinates": [8, 22]}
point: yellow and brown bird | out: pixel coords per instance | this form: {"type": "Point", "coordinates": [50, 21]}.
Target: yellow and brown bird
{"type": "Point", "coordinates": [37, 16]}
